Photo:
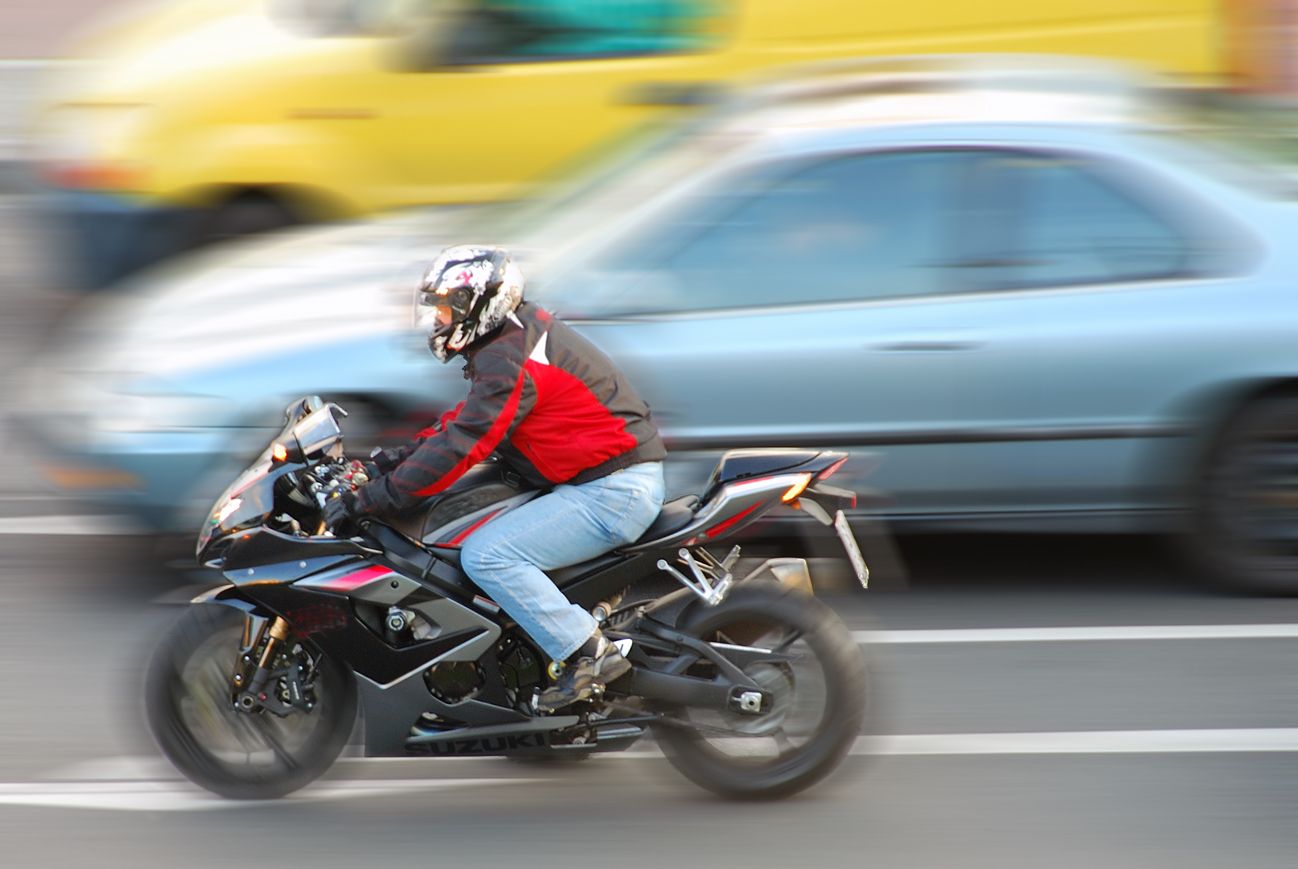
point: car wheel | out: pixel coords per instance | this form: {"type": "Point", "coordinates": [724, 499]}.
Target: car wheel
{"type": "Point", "coordinates": [1245, 518]}
{"type": "Point", "coordinates": [246, 215]}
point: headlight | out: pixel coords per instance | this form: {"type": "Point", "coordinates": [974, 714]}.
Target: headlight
{"type": "Point", "coordinates": [79, 144]}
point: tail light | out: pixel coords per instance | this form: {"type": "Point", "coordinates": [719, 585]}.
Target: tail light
{"type": "Point", "coordinates": [832, 469]}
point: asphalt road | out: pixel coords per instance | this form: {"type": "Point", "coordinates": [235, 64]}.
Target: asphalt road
{"type": "Point", "coordinates": [1082, 707]}
{"type": "Point", "coordinates": [1035, 702]}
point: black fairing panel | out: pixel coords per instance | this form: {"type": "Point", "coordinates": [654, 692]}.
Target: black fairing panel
{"type": "Point", "coordinates": [264, 546]}
{"type": "Point", "coordinates": [329, 621]}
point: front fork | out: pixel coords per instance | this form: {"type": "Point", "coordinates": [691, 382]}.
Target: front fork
{"type": "Point", "coordinates": [250, 691]}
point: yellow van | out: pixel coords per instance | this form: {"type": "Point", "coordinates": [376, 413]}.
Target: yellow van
{"type": "Point", "coordinates": [211, 118]}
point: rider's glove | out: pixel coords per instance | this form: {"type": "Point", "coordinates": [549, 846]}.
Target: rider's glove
{"type": "Point", "coordinates": [385, 460]}
{"type": "Point", "coordinates": [340, 513]}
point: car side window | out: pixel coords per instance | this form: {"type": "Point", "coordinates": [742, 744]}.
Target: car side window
{"type": "Point", "coordinates": [513, 31]}
{"type": "Point", "coordinates": [848, 228]}
{"type": "Point", "coordinates": [1037, 220]}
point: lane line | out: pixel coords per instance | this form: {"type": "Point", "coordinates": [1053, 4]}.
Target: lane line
{"type": "Point", "coordinates": [174, 795]}
{"type": "Point", "coordinates": [51, 499]}
{"type": "Point", "coordinates": [179, 796]}
{"type": "Point", "coordinates": [1081, 742]}
{"type": "Point", "coordinates": [1080, 634]}
{"type": "Point", "coordinates": [126, 770]}
{"type": "Point", "coordinates": [1277, 739]}
{"type": "Point", "coordinates": [68, 526]}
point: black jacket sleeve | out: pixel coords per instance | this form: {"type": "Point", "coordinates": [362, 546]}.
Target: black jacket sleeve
{"type": "Point", "coordinates": [500, 396]}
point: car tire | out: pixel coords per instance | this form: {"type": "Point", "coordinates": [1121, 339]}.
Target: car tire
{"type": "Point", "coordinates": [246, 215]}
{"type": "Point", "coordinates": [1244, 519]}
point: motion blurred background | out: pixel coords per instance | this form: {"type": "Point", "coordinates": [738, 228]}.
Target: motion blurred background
{"type": "Point", "coordinates": [1035, 258]}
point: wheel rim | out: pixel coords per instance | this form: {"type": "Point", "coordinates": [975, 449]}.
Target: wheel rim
{"type": "Point", "coordinates": [798, 710]}
{"type": "Point", "coordinates": [1258, 496]}
{"type": "Point", "coordinates": [249, 746]}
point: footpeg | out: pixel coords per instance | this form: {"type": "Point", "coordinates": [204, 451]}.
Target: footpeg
{"type": "Point", "coordinates": [710, 579]}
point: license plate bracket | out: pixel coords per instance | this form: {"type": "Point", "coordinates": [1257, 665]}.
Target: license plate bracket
{"type": "Point", "coordinates": [853, 550]}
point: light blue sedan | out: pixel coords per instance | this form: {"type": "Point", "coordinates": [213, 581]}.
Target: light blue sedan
{"type": "Point", "coordinates": [1049, 302]}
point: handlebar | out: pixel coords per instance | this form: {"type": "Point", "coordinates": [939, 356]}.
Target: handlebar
{"type": "Point", "coordinates": [323, 480]}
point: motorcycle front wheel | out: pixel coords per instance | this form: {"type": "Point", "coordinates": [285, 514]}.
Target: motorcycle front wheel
{"type": "Point", "coordinates": [817, 692]}
{"type": "Point", "coordinates": [258, 755]}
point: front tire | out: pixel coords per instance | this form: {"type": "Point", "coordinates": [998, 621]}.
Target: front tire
{"type": "Point", "coordinates": [239, 755]}
{"type": "Point", "coordinates": [784, 750]}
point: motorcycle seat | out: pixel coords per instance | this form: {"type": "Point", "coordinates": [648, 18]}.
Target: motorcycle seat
{"type": "Point", "coordinates": [675, 515]}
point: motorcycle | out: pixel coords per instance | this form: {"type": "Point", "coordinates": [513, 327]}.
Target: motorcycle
{"type": "Point", "coordinates": [752, 687]}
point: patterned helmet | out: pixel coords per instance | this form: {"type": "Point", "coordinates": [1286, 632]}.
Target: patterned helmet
{"type": "Point", "coordinates": [480, 285]}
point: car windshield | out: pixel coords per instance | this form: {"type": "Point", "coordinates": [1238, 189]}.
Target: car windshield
{"type": "Point", "coordinates": [630, 171]}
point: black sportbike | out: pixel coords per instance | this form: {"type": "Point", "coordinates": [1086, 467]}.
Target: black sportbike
{"type": "Point", "coordinates": [753, 687]}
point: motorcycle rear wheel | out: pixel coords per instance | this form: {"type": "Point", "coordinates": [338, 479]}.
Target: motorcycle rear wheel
{"type": "Point", "coordinates": [817, 700]}
{"type": "Point", "coordinates": [239, 755]}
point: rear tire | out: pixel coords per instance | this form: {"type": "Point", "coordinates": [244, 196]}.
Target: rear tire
{"type": "Point", "coordinates": [248, 756]}
{"type": "Point", "coordinates": [761, 615]}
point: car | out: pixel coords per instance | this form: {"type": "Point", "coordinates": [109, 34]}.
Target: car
{"type": "Point", "coordinates": [1051, 297]}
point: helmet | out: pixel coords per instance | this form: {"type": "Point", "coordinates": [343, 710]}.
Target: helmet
{"type": "Point", "coordinates": [480, 285]}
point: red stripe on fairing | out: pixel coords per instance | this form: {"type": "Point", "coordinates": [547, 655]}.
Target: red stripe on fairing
{"type": "Point", "coordinates": [353, 581]}
{"type": "Point", "coordinates": [485, 445]}
{"type": "Point", "coordinates": [717, 529]}
{"type": "Point", "coordinates": [463, 535]}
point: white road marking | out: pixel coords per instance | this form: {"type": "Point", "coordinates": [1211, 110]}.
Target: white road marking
{"type": "Point", "coordinates": [1280, 739]}
{"type": "Point", "coordinates": [176, 796]}
{"type": "Point", "coordinates": [48, 499]}
{"type": "Point", "coordinates": [1080, 634]}
{"type": "Point", "coordinates": [165, 791]}
{"type": "Point", "coordinates": [68, 526]}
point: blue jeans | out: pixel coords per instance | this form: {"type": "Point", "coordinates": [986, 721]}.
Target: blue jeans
{"type": "Point", "coordinates": [507, 557]}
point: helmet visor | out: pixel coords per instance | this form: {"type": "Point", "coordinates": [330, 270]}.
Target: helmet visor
{"type": "Point", "coordinates": [436, 310]}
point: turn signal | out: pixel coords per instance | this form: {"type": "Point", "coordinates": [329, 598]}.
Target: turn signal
{"type": "Point", "coordinates": [796, 489]}
{"type": "Point", "coordinates": [279, 452]}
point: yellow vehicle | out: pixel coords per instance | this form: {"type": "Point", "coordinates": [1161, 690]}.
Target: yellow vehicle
{"type": "Point", "coordinates": [211, 118]}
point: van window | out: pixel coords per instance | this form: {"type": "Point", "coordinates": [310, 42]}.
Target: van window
{"type": "Point", "coordinates": [505, 31]}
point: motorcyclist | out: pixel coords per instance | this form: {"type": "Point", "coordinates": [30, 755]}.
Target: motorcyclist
{"type": "Point", "coordinates": [557, 410]}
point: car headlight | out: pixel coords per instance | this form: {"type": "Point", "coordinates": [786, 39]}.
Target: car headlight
{"type": "Point", "coordinates": [77, 144]}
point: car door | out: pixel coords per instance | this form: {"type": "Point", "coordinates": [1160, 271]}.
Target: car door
{"type": "Point", "coordinates": [1116, 290]}
{"type": "Point", "coordinates": [809, 301]}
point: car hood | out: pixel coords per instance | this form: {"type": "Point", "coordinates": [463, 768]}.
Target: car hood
{"type": "Point", "coordinates": [147, 50]}
{"type": "Point", "coordinates": [254, 299]}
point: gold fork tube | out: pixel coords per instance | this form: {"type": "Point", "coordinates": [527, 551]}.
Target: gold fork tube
{"type": "Point", "coordinates": [278, 633]}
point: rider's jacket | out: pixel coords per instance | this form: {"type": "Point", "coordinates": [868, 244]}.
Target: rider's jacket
{"type": "Point", "coordinates": [543, 397]}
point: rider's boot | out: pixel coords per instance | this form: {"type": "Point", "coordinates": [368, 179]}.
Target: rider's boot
{"type": "Point", "coordinates": [594, 665]}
